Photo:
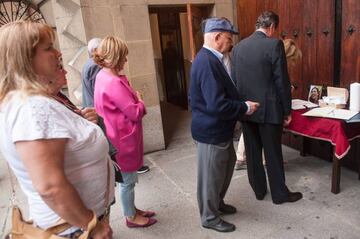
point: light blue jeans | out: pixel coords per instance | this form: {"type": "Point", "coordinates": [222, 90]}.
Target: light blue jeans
{"type": "Point", "coordinates": [127, 193]}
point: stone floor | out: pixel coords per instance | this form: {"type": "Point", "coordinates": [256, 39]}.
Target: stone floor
{"type": "Point", "coordinates": [170, 190]}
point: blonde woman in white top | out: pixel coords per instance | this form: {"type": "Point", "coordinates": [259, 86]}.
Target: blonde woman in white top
{"type": "Point", "coordinates": [59, 158]}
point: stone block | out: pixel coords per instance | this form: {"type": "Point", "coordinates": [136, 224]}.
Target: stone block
{"type": "Point", "coordinates": [153, 130]}
{"type": "Point", "coordinates": [78, 59]}
{"type": "Point", "coordinates": [64, 8]}
{"type": "Point", "coordinates": [118, 24]}
{"type": "Point", "coordinates": [147, 86]}
{"type": "Point", "coordinates": [135, 19]}
{"type": "Point", "coordinates": [97, 21]}
{"type": "Point", "coordinates": [98, 3]}
{"type": "Point", "coordinates": [180, 2]}
{"type": "Point", "coordinates": [75, 27]}
{"type": "Point", "coordinates": [224, 10]}
{"type": "Point", "coordinates": [140, 58]}
{"type": "Point", "coordinates": [47, 12]}
{"type": "Point", "coordinates": [132, 2]}
{"type": "Point", "coordinates": [67, 41]}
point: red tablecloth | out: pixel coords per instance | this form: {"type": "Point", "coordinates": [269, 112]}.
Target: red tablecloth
{"type": "Point", "coordinates": [337, 132]}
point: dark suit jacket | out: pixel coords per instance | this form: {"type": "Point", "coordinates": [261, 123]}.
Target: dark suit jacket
{"type": "Point", "coordinates": [214, 100]}
{"type": "Point", "coordinates": [260, 70]}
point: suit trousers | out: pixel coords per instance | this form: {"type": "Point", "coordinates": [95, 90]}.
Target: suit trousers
{"type": "Point", "coordinates": [215, 169]}
{"type": "Point", "coordinates": [258, 136]}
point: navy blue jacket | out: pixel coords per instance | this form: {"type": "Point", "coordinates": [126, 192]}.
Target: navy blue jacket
{"type": "Point", "coordinates": [214, 100]}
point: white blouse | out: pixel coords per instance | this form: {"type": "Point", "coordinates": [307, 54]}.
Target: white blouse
{"type": "Point", "coordinates": [25, 118]}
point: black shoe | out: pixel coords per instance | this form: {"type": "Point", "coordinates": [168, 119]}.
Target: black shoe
{"type": "Point", "coordinates": [222, 226]}
{"type": "Point", "coordinates": [143, 169]}
{"type": "Point", "coordinates": [260, 196]}
{"type": "Point", "coordinates": [227, 209]}
{"type": "Point", "coordinates": [293, 197]}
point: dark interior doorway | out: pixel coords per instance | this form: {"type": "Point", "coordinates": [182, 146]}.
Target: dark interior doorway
{"type": "Point", "coordinates": [172, 54]}
{"type": "Point", "coordinates": [176, 38]}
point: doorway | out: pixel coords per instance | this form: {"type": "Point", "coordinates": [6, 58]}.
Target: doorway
{"type": "Point", "coordinates": [176, 37]}
{"type": "Point", "coordinates": [172, 55]}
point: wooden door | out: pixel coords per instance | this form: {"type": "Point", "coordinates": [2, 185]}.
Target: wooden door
{"type": "Point", "coordinates": [246, 16]}
{"type": "Point", "coordinates": [196, 15]}
{"type": "Point", "coordinates": [325, 44]}
{"type": "Point", "coordinates": [312, 26]}
{"type": "Point", "coordinates": [350, 43]}
{"type": "Point", "coordinates": [291, 27]}
{"type": "Point", "coordinates": [303, 21]}
{"type": "Point", "coordinates": [248, 11]}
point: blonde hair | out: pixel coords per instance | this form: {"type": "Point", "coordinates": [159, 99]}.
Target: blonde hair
{"type": "Point", "coordinates": [18, 42]}
{"type": "Point", "coordinates": [292, 52]}
{"type": "Point", "coordinates": [111, 52]}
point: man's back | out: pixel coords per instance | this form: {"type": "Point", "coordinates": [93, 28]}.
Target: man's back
{"type": "Point", "coordinates": [88, 76]}
{"type": "Point", "coordinates": [259, 67]}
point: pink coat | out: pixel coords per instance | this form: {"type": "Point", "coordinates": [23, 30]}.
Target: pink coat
{"type": "Point", "coordinates": [116, 102]}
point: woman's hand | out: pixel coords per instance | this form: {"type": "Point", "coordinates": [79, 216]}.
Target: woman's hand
{"type": "Point", "coordinates": [90, 114]}
{"type": "Point", "coordinates": [139, 95]}
{"type": "Point", "coordinates": [102, 230]}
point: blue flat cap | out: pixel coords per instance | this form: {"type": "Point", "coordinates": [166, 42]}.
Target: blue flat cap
{"type": "Point", "coordinates": [218, 25]}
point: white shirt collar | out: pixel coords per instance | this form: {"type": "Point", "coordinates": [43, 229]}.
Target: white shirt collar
{"type": "Point", "coordinates": [218, 54]}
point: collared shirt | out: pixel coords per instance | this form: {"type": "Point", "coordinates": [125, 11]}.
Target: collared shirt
{"type": "Point", "coordinates": [221, 58]}
{"type": "Point", "coordinates": [218, 54]}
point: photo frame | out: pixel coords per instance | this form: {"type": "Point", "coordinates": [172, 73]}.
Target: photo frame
{"type": "Point", "coordinates": [315, 93]}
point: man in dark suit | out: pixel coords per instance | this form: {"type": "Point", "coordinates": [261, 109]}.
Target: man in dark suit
{"type": "Point", "coordinates": [215, 107]}
{"type": "Point", "coordinates": [260, 70]}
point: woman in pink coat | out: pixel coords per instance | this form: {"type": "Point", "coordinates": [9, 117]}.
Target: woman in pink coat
{"type": "Point", "coordinates": [122, 110]}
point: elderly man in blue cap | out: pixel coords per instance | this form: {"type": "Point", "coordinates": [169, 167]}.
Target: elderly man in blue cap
{"type": "Point", "coordinates": [215, 106]}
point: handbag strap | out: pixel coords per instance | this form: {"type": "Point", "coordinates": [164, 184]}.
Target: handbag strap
{"type": "Point", "coordinates": [107, 193]}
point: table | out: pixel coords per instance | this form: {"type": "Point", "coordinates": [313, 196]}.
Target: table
{"type": "Point", "coordinates": [337, 132]}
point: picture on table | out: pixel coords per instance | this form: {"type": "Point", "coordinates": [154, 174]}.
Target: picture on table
{"type": "Point", "coordinates": [315, 94]}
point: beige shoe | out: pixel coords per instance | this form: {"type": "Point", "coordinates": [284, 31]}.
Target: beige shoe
{"type": "Point", "coordinates": [240, 165]}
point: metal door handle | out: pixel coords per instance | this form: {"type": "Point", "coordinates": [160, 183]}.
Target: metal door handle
{"type": "Point", "coordinates": [326, 31]}
{"type": "Point", "coordinates": [309, 32]}
{"type": "Point", "coordinates": [295, 33]}
{"type": "Point", "coordinates": [283, 34]}
{"type": "Point", "coordinates": [351, 29]}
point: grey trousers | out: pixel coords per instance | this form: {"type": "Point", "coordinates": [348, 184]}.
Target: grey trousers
{"type": "Point", "coordinates": [215, 169]}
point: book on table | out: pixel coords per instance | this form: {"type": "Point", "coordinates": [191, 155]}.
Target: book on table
{"type": "Point", "coordinates": [330, 112]}
{"type": "Point", "coordinates": [297, 104]}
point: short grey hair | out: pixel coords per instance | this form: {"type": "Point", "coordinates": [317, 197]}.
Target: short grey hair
{"type": "Point", "coordinates": [93, 44]}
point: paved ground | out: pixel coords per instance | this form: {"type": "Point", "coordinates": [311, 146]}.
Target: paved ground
{"type": "Point", "coordinates": [170, 190]}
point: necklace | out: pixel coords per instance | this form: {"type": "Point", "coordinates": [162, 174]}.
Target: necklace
{"type": "Point", "coordinates": [61, 98]}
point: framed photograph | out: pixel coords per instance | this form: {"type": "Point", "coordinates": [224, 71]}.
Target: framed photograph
{"type": "Point", "coordinates": [315, 94]}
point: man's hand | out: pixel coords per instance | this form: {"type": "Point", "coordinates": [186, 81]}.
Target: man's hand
{"type": "Point", "coordinates": [287, 120]}
{"type": "Point", "coordinates": [253, 107]}
{"type": "Point", "coordinates": [90, 114]}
